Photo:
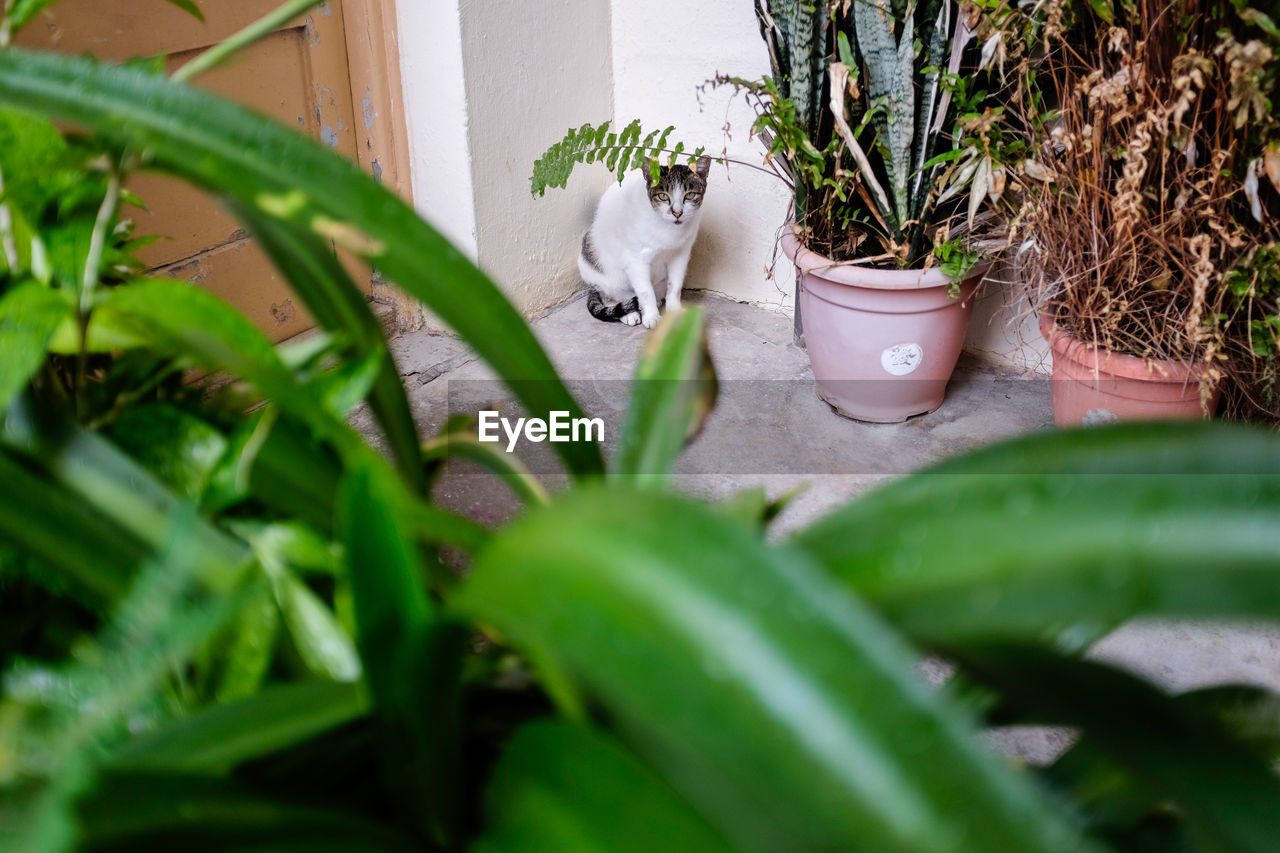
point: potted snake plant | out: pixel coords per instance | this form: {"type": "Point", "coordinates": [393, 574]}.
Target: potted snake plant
{"type": "Point", "coordinates": [888, 118]}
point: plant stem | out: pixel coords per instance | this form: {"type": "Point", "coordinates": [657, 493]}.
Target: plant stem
{"type": "Point", "coordinates": [98, 240]}
{"type": "Point", "coordinates": [7, 242]}
{"type": "Point", "coordinates": [259, 28]}
{"type": "Point", "coordinates": [771, 172]}
{"type": "Point", "coordinates": [92, 274]}
{"type": "Point", "coordinates": [6, 24]}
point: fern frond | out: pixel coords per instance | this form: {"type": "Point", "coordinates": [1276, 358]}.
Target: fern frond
{"type": "Point", "coordinates": [620, 152]}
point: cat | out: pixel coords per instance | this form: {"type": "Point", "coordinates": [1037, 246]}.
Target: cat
{"type": "Point", "coordinates": [642, 233]}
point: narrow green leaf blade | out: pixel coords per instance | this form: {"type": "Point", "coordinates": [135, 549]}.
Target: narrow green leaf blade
{"type": "Point", "coordinates": [215, 740]}
{"type": "Point", "coordinates": [565, 787]}
{"type": "Point", "coordinates": [1069, 529]}
{"type": "Point", "coordinates": [189, 7]}
{"type": "Point", "coordinates": [103, 480]}
{"type": "Point", "coordinates": [173, 812]}
{"type": "Point", "coordinates": [333, 299]}
{"type": "Point", "coordinates": [412, 658]}
{"type": "Point", "coordinates": [35, 516]}
{"type": "Point", "coordinates": [672, 393]}
{"type": "Point", "coordinates": [323, 645]}
{"type": "Point", "coordinates": [464, 443]}
{"type": "Point", "coordinates": [247, 649]}
{"type": "Point", "coordinates": [20, 12]}
{"type": "Point", "coordinates": [191, 322]}
{"type": "Point", "coordinates": [772, 700]}
{"type": "Point", "coordinates": [231, 151]}
{"type": "Point", "coordinates": [1224, 790]}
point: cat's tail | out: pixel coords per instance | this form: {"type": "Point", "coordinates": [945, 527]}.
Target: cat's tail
{"type": "Point", "coordinates": [614, 314]}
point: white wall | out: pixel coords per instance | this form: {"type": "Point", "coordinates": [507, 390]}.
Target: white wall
{"type": "Point", "coordinates": [533, 69]}
{"type": "Point", "coordinates": [436, 119]}
{"type": "Point", "coordinates": [1004, 329]}
{"type": "Point", "coordinates": [663, 51]}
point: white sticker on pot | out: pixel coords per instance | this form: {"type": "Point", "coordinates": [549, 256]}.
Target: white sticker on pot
{"type": "Point", "coordinates": [1098, 417]}
{"type": "Point", "coordinates": [901, 359]}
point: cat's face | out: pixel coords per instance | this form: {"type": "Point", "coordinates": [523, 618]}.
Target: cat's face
{"type": "Point", "coordinates": [678, 194]}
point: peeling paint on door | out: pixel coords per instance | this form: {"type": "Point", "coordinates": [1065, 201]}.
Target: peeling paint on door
{"type": "Point", "coordinates": [366, 109]}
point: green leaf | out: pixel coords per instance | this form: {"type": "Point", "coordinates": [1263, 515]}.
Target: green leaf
{"type": "Point", "coordinates": [412, 658]}
{"type": "Point", "coordinates": [322, 643]}
{"type": "Point", "coordinates": [1067, 534]}
{"type": "Point", "coordinates": [19, 12]}
{"type": "Point", "coordinates": [1104, 10]}
{"type": "Point", "coordinates": [1223, 789]}
{"type": "Point", "coordinates": [890, 80]}
{"type": "Point", "coordinates": [333, 299]}
{"type": "Point", "coordinates": [170, 812]}
{"type": "Point", "coordinates": [281, 463]}
{"type": "Point", "coordinates": [248, 651]}
{"type": "Point", "coordinates": [217, 739]}
{"type": "Point", "coordinates": [188, 321]}
{"type": "Point", "coordinates": [289, 543]}
{"type": "Point", "coordinates": [189, 7]}
{"type": "Point", "coordinates": [31, 157]}
{"type": "Point", "coordinates": [233, 152]}
{"type": "Point", "coordinates": [845, 50]}
{"type": "Point", "coordinates": [344, 386]}
{"type": "Point", "coordinates": [431, 525]}
{"type": "Point", "coordinates": [35, 516]}
{"type": "Point", "coordinates": [565, 787]}
{"type": "Point", "coordinates": [29, 314]}
{"type": "Point", "coordinates": [55, 721]}
{"type": "Point", "coordinates": [179, 448]}
{"type": "Point", "coordinates": [90, 475]}
{"type": "Point", "coordinates": [461, 441]}
{"type": "Point", "coordinates": [107, 333]}
{"type": "Point", "coordinates": [753, 507]}
{"type": "Point", "coordinates": [1249, 713]}
{"type": "Point", "coordinates": [672, 394]}
{"type": "Point", "coordinates": [1262, 20]}
{"type": "Point", "coordinates": [771, 699]}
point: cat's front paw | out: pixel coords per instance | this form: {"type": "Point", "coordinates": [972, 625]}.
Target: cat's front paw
{"type": "Point", "coordinates": [651, 320]}
{"type": "Point", "coordinates": [673, 303]}
{"type": "Point", "coordinates": [632, 319]}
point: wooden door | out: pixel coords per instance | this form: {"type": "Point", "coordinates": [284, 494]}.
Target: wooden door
{"type": "Point", "coordinates": [298, 74]}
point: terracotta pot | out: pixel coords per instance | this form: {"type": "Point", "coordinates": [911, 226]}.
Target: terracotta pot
{"type": "Point", "coordinates": [1094, 386]}
{"type": "Point", "coordinates": [882, 343]}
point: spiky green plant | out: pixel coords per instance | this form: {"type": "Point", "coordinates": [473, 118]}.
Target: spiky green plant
{"type": "Point", "coordinates": [888, 115]}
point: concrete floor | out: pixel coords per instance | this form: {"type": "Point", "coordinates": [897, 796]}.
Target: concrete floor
{"type": "Point", "coordinates": [770, 429]}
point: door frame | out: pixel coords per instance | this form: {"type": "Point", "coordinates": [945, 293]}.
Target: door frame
{"type": "Point", "coordinates": [373, 61]}
{"type": "Point", "coordinates": [377, 93]}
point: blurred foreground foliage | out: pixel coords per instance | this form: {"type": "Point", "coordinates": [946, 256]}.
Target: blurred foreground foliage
{"type": "Point", "coordinates": [227, 622]}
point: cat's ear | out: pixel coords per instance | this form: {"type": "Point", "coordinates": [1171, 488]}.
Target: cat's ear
{"type": "Point", "coordinates": [703, 167]}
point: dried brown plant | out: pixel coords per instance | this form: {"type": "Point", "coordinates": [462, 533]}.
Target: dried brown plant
{"type": "Point", "coordinates": [1147, 203]}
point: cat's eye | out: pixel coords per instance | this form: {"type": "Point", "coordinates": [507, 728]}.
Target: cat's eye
{"type": "Point", "coordinates": [692, 196]}
{"type": "Point", "coordinates": [662, 197]}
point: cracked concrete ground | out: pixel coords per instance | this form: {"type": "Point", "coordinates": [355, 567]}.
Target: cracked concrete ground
{"type": "Point", "coordinates": [770, 429]}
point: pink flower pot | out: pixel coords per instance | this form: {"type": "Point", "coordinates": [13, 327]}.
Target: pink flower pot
{"type": "Point", "coordinates": [883, 343]}
{"type": "Point", "coordinates": [1093, 386]}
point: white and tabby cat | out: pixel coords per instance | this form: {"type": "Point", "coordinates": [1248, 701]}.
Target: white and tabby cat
{"type": "Point", "coordinates": [641, 236]}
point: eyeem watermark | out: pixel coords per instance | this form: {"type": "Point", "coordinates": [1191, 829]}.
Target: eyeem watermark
{"type": "Point", "coordinates": [559, 427]}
